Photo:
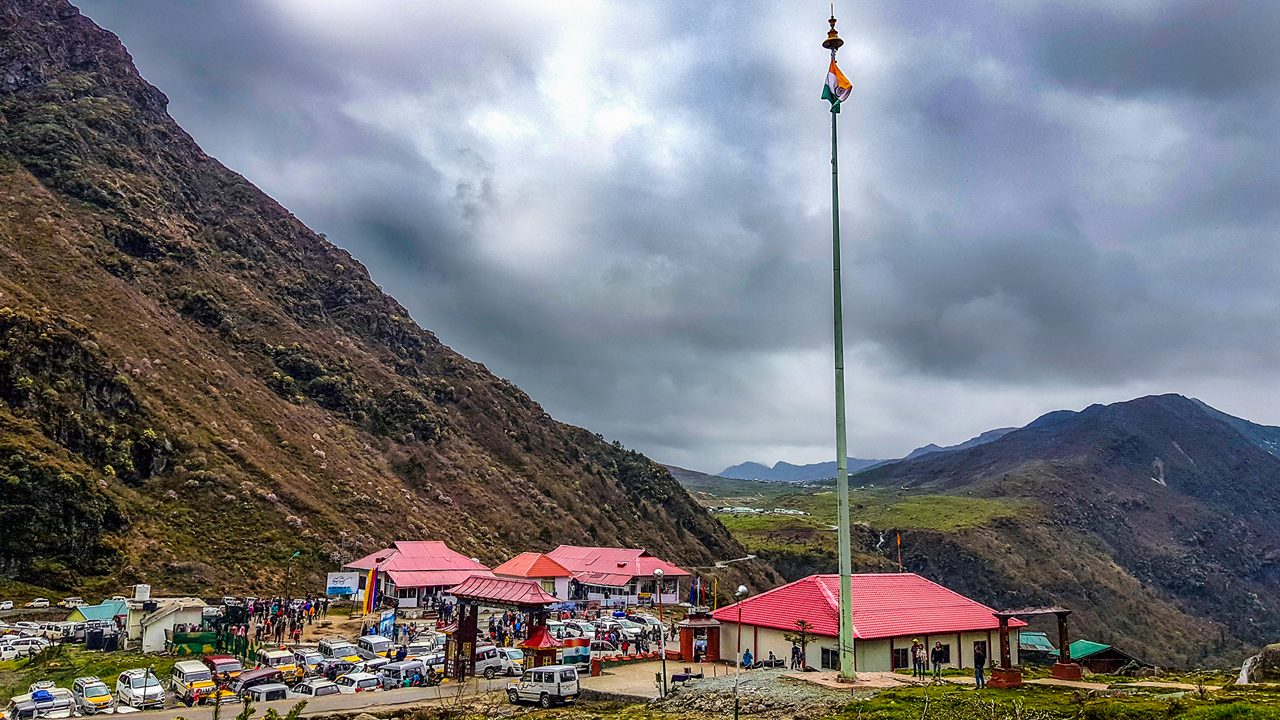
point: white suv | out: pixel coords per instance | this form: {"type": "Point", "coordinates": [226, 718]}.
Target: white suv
{"type": "Point", "coordinates": [547, 686]}
{"type": "Point", "coordinates": [139, 688]}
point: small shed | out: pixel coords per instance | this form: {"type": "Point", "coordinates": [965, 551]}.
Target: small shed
{"type": "Point", "coordinates": [1035, 648]}
{"type": "Point", "coordinates": [698, 630]}
{"type": "Point", "coordinates": [152, 622]}
{"type": "Point", "coordinates": [1101, 658]}
{"type": "Point", "coordinates": [107, 611]}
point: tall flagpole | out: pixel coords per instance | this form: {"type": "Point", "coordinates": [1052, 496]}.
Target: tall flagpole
{"type": "Point", "coordinates": [833, 43]}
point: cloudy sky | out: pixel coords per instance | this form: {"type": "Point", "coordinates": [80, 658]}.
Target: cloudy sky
{"type": "Point", "coordinates": [623, 207]}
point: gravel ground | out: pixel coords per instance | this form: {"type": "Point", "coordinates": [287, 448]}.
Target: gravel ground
{"type": "Point", "coordinates": [762, 693]}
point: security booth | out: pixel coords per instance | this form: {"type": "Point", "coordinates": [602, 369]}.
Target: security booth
{"type": "Point", "coordinates": [699, 637]}
{"type": "Point", "coordinates": [541, 646]}
{"type": "Point", "coordinates": [524, 596]}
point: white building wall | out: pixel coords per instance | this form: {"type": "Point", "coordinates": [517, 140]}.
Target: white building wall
{"type": "Point", "coordinates": [869, 655]}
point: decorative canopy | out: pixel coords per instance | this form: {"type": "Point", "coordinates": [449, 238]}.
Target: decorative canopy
{"type": "Point", "coordinates": [540, 639]}
{"type": "Point", "coordinates": [507, 592]}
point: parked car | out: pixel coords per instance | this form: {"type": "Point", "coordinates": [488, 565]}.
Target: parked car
{"type": "Point", "coordinates": [223, 665]}
{"type": "Point", "coordinates": [357, 682]}
{"type": "Point", "coordinates": [38, 603]}
{"type": "Point", "coordinates": [26, 646]}
{"type": "Point", "coordinates": [314, 688]}
{"type": "Point", "coordinates": [579, 628]}
{"type": "Point", "coordinates": [372, 665]}
{"type": "Point", "coordinates": [140, 688]}
{"type": "Point", "coordinates": [337, 647]}
{"type": "Point", "coordinates": [424, 646]}
{"type": "Point", "coordinates": [8, 652]}
{"type": "Point", "coordinates": [92, 696]}
{"type": "Point", "coordinates": [192, 683]}
{"type": "Point", "coordinates": [71, 602]}
{"type": "Point", "coordinates": [331, 668]}
{"type": "Point", "coordinates": [281, 660]}
{"type": "Point", "coordinates": [375, 646]}
{"type": "Point", "coordinates": [515, 660]}
{"type": "Point", "coordinates": [267, 692]}
{"type": "Point", "coordinates": [308, 660]}
{"type": "Point", "coordinates": [603, 646]}
{"type": "Point", "coordinates": [250, 679]}
{"type": "Point", "coordinates": [6, 604]}
{"type": "Point", "coordinates": [490, 663]}
{"type": "Point", "coordinates": [41, 703]}
{"type": "Point", "coordinates": [398, 674]}
{"type": "Point", "coordinates": [548, 685]}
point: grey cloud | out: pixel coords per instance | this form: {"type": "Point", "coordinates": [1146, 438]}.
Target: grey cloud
{"type": "Point", "coordinates": [1043, 206]}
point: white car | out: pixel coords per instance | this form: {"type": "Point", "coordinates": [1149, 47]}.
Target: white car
{"type": "Point", "coordinates": [357, 682]}
{"type": "Point", "coordinates": [549, 685]}
{"type": "Point", "coordinates": [6, 604]}
{"type": "Point", "coordinates": [25, 646]}
{"type": "Point", "coordinates": [580, 628]}
{"type": "Point", "coordinates": [139, 688]}
{"type": "Point", "coordinates": [38, 603]}
{"type": "Point", "coordinates": [314, 688]}
{"type": "Point", "coordinates": [515, 660]}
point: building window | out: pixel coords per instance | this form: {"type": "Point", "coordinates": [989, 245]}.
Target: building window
{"type": "Point", "coordinates": [901, 658]}
{"type": "Point", "coordinates": [549, 587]}
{"type": "Point", "coordinates": [830, 659]}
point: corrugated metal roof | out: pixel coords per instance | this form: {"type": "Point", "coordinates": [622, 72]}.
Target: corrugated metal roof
{"type": "Point", "coordinates": [532, 565]}
{"type": "Point", "coordinates": [419, 556]}
{"type": "Point", "coordinates": [106, 610]}
{"type": "Point", "coordinates": [432, 578]}
{"type": "Point", "coordinates": [1036, 641]}
{"type": "Point", "coordinates": [1084, 648]}
{"type": "Point", "coordinates": [611, 567]}
{"type": "Point", "coordinates": [503, 591]}
{"type": "Point", "coordinates": [884, 605]}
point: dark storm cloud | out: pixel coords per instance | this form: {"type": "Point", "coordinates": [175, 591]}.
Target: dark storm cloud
{"type": "Point", "coordinates": [624, 208]}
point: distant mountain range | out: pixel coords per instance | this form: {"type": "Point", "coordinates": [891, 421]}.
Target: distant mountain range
{"type": "Point", "coordinates": [786, 472]}
{"type": "Point", "coordinates": [1156, 521]}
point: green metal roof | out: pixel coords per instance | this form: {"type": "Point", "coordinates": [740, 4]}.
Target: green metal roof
{"type": "Point", "coordinates": [102, 611]}
{"type": "Point", "coordinates": [1085, 648]}
{"type": "Point", "coordinates": [1035, 641]}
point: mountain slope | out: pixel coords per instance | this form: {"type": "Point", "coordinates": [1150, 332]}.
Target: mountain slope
{"type": "Point", "coordinates": [783, 471]}
{"type": "Point", "coordinates": [193, 384]}
{"type": "Point", "coordinates": [1168, 512]}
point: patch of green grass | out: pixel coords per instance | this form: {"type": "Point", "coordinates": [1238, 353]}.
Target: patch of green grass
{"type": "Point", "coordinates": [64, 663]}
{"type": "Point", "coordinates": [768, 523]}
{"type": "Point", "coordinates": [884, 509]}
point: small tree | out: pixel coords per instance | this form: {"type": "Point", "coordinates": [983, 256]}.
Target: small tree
{"type": "Point", "coordinates": [801, 637]}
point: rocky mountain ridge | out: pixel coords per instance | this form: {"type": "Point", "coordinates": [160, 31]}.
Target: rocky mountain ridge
{"type": "Point", "coordinates": [193, 384]}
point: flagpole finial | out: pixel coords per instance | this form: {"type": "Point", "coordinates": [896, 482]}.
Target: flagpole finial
{"type": "Point", "coordinates": [833, 41]}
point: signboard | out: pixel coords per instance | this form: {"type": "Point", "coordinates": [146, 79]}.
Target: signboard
{"type": "Point", "coordinates": [387, 623]}
{"type": "Point", "coordinates": [342, 583]}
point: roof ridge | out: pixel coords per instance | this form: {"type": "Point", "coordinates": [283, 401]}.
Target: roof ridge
{"type": "Point", "coordinates": [834, 602]}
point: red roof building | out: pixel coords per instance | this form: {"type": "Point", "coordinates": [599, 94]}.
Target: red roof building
{"type": "Point", "coordinates": [417, 572]}
{"type": "Point", "coordinates": [616, 576]}
{"type": "Point", "coordinates": [551, 575]}
{"type": "Point", "coordinates": [890, 611]}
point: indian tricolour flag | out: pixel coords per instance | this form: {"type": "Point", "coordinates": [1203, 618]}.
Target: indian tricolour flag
{"type": "Point", "coordinates": [838, 88]}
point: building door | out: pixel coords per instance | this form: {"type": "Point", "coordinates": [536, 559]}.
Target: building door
{"type": "Point", "coordinates": [980, 646]}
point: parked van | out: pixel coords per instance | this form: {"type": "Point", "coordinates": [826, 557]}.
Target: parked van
{"type": "Point", "coordinates": [371, 666]}
{"type": "Point", "coordinates": [307, 660]}
{"type": "Point", "coordinates": [281, 660]}
{"type": "Point", "coordinates": [192, 682]}
{"type": "Point", "coordinates": [223, 665]}
{"type": "Point", "coordinates": [548, 685]}
{"type": "Point", "coordinates": [92, 695]}
{"type": "Point", "coordinates": [374, 646]}
{"type": "Point", "coordinates": [515, 660]}
{"type": "Point", "coordinates": [398, 674]}
{"type": "Point", "coordinates": [43, 703]}
{"type": "Point", "coordinates": [268, 692]}
{"type": "Point", "coordinates": [140, 688]}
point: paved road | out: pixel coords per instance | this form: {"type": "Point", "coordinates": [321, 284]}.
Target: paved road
{"type": "Point", "coordinates": [367, 701]}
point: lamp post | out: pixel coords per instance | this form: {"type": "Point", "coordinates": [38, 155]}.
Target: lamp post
{"type": "Point", "coordinates": [737, 671]}
{"type": "Point", "coordinates": [662, 629]}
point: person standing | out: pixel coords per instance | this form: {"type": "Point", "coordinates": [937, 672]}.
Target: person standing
{"type": "Point", "coordinates": [936, 657]}
{"type": "Point", "coordinates": [917, 659]}
{"type": "Point", "coordinates": [795, 657]}
{"type": "Point", "coordinates": [980, 666]}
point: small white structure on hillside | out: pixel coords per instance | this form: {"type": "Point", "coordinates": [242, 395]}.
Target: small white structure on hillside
{"type": "Point", "coordinates": [150, 619]}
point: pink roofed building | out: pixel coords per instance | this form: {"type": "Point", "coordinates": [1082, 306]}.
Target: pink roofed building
{"type": "Point", "coordinates": [415, 573]}
{"type": "Point", "coordinates": [617, 576]}
{"type": "Point", "coordinates": [890, 610]}
{"type": "Point", "coordinates": [549, 574]}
